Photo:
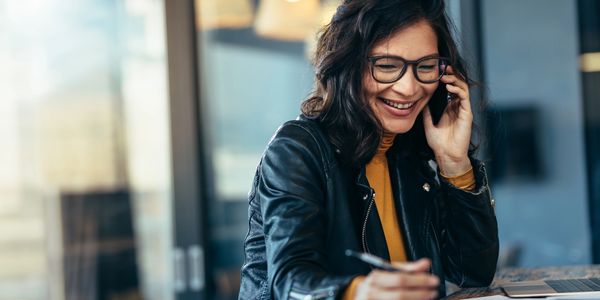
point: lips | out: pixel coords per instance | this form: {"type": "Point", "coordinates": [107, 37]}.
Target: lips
{"type": "Point", "coordinates": [398, 105]}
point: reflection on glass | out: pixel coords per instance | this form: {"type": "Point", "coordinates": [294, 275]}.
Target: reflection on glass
{"type": "Point", "coordinates": [85, 183]}
{"type": "Point", "coordinates": [250, 85]}
{"type": "Point", "coordinates": [224, 14]}
{"type": "Point", "coordinates": [287, 20]}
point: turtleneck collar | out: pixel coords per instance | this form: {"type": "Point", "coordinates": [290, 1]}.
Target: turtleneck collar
{"type": "Point", "coordinates": [387, 140]}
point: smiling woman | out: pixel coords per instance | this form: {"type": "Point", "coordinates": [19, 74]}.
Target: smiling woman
{"type": "Point", "coordinates": [354, 170]}
{"type": "Point", "coordinates": [397, 103]}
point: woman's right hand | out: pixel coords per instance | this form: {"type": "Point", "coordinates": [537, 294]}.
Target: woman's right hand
{"type": "Point", "coordinates": [416, 284]}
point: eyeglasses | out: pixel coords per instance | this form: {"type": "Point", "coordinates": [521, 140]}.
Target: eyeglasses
{"type": "Point", "coordinates": [388, 69]}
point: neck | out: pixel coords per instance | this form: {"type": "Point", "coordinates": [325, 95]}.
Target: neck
{"type": "Point", "coordinates": [386, 141]}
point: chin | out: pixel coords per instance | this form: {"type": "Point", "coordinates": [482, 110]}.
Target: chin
{"type": "Point", "coordinates": [398, 126]}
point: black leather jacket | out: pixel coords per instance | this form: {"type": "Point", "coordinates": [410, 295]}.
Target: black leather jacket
{"type": "Point", "coordinates": [306, 209]}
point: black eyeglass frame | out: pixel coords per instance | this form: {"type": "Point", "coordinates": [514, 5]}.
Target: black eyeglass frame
{"type": "Point", "coordinates": [414, 63]}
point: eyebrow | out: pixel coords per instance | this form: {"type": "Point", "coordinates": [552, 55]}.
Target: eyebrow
{"type": "Point", "coordinates": [396, 56]}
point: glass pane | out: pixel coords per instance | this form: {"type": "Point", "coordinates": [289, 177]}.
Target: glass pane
{"type": "Point", "coordinates": [250, 85]}
{"type": "Point", "coordinates": [85, 205]}
{"type": "Point", "coordinates": [537, 146]}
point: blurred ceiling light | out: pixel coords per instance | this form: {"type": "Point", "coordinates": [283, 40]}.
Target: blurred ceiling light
{"type": "Point", "coordinates": [590, 62]}
{"type": "Point", "coordinates": [291, 20]}
{"type": "Point", "coordinates": [328, 9]}
{"type": "Point", "coordinates": [213, 14]}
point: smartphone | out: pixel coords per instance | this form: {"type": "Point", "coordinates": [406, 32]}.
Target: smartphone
{"type": "Point", "coordinates": [438, 102]}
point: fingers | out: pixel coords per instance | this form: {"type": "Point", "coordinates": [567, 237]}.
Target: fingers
{"type": "Point", "coordinates": [451, 79]}
{"type": "Point", "coordinates": [462, 100]}
{"type": "Point", "coordinates": [418, 295]}
{"type": "Point", "coordinates": [454, 80]}
{"type": "Point", "coordinates": [451, 74]}
{"type": "Point", "coordinates": [458, 87]}
{"type": "Point", "coordinates": [421, 265]}
{"type": "Point", "coordinates": [416, 284]}
{"type": "Point", "coordinates": [461, 93]}
{"type": "Point", "coordinates": [416, 276]}
{"type": "Point", "coordinates": [395, 280]}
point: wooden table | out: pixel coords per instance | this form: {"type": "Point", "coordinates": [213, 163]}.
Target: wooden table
{"type": "Point", "coordinates": [521, 274]}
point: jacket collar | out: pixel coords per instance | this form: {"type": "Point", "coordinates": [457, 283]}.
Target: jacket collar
{"type": "Point", "coordinates": [413, 186]}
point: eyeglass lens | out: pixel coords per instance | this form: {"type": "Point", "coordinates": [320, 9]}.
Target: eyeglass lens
{"type": "Point", "coordinates": [390, 69]}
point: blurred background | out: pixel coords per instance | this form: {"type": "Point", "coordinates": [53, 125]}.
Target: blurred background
{"type": "Point", "coordinates": [130, 131]}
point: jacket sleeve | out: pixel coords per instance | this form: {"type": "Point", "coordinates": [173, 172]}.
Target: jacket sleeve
{"type": "Point", "coordinates": [291, 189]}
{"type": "Point", "coordinates": [469, 232]}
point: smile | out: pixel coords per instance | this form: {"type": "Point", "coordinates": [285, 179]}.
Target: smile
{"type": "Point", "coordinates": [398, 105]}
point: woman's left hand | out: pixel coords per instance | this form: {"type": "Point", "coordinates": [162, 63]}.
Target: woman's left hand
{"type": "Point", "coordinates": [450, 138]}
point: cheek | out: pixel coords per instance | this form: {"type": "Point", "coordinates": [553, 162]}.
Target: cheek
{"type": "Point", "coordinates": [430, 90]}
{"type": "Point", "coordinates": [371, 89]}
{"type": "Point", "coordinates": [370, 86]}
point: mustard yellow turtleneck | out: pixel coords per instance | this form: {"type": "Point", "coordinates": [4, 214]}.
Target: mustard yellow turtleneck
{"type": "Point", "coordinates": [378, 176]}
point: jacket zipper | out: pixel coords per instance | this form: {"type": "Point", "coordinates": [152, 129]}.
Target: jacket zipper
{"type": "Point", "coordinates": [492, 201]}
{"type": "Point", "coordinates": [364, 228]}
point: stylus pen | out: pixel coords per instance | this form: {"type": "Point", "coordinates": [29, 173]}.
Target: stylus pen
{"type": "Point", "coordinates": [376, 262]}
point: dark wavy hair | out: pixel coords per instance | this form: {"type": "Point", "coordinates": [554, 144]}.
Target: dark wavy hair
{"type": "Point", "coordinates": [337, 100]}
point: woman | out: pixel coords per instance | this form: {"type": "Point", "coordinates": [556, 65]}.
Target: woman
{"type": "Point", "coordinates": [357, 169]}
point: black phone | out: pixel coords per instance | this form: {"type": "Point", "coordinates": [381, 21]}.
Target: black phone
{"type": "Point", "coordinates": [438, 102]}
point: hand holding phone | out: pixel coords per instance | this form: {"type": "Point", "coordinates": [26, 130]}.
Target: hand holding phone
{"type": "Point", "coordinates": [448, 130]}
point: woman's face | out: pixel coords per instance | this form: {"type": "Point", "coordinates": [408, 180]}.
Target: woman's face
{"type": "Point", "coordinates": [397, 105]}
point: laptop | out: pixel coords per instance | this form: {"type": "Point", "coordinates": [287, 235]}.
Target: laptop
{"type": "Point", "coordinates": [560, 287]}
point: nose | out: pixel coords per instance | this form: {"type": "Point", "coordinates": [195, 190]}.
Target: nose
{"type": "Point", "coordinates": [407, 85]}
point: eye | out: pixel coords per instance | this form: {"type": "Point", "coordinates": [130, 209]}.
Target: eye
{"type": "Point", "coordinates": [427, 67]}
{"type": "Point", "coordinates": [388, 65]}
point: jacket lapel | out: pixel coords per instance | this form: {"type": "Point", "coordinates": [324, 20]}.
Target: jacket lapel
{"type": "Point", "coordinates": [413, 192]}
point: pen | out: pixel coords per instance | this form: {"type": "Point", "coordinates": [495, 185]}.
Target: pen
{"type": "Point", "coordinates": [375, 261]}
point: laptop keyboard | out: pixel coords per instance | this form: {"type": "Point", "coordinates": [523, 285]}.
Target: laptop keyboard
{"type": "Point", "coordinates": [575, 285]}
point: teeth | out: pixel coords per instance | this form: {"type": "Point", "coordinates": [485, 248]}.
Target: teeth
{"type": "Point", "coordinates": [399, 105]}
